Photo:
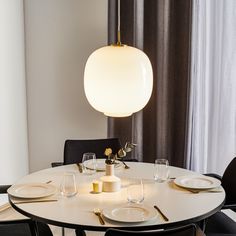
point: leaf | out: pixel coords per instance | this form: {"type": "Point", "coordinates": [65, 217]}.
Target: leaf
{"type": "Point", "coordinates": [121, 153]}
{"type": "Point", "coordinates": [129, 146]}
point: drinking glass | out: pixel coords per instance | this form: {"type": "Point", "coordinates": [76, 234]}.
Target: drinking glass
{"type": "Point", "coordinates": [135, 191]}
{"type": "Point", "coordinates": [89, 163]}
{"type": "Point", "coordinates": [68, 186]}
{"type": "Point", "coordinates": [161, 170]}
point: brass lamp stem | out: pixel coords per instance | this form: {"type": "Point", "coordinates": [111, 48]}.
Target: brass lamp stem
{"type": "Point", "coordinates": [118, 38]}
{"type": "Point", "coordinates": [118, 25]}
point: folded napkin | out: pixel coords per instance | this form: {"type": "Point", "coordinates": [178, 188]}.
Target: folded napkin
{"type": "Point", "coordinates": [4, 204]}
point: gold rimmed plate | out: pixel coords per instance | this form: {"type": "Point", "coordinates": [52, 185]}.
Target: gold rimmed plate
{"type": "Point", "coordinates": [197, 182]}
{"type": "Point", "coordinates": [31, 190]}
{"type": "Point", "coordinates": [100, 164]}
{"type": "Point", "coordinates": [130, 213]}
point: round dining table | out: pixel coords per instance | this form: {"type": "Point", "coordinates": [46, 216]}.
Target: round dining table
{"type": "Point", "coordinates": [178, 204]}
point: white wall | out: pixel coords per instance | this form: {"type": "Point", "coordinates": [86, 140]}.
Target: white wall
{"type": "Point", "coordinates": [60, 35]}
{"type": "Point", "coordinates": [13, 117]}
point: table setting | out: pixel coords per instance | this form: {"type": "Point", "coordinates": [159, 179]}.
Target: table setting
{"type": "Point", "coordinates": [199, 184]}
{"type": "Point", "coordinates": [31, 192]}
{"type": "Point", "coordinates": [146, 196]}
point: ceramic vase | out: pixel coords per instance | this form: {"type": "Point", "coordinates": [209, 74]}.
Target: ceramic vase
{"type": "Point", "coordinates": [110, 182]}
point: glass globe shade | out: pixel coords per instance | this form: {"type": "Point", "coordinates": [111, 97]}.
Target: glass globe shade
{"type": "Point", "coordinates": [118, 80]}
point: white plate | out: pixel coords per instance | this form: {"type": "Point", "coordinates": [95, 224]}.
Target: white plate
{"type": "Point", "coordinates": [197, 182]}
{"type": "Point", "coordinates": [100, 164]}
{"type": "Point", "coordinates": [32, 190]}
{"type": "Point", "coordinates": [130, 213]}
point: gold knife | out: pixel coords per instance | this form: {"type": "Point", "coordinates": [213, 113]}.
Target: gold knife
{"type": "Point", "coordinates": [161, 213]}
{"type": "Point", "coordinates": [32, 201]}
{"type": "Point", "coordinates": [80, 167]}
{"type": "Point", "coordinates": [5, 206]}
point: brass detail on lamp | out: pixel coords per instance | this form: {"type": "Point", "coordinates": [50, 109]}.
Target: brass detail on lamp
{"type": "Point", "coordinates": [118, 79]}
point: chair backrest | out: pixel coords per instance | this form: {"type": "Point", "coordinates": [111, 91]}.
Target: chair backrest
{"type": "Point", "coordinates": [3, 188]}
{"type": "Point", "coordinates": [229, 182]}
{"type": "Point", "coordinates": [74, 149]}
{"type": "Point", "coordinates": [188, 230]}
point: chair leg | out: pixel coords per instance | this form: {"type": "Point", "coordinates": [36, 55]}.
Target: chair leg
{"type": "Point", "coordinates": [33, 228]}
{"type": "Point", "coordinates": [202, 225]}
{"type": "Point", "coordinates": [80, 232]}
{"type": "Point", "coordinates": [63, 231]}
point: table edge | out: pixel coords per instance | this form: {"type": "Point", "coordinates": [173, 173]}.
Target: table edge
{"type": "Point", "coordinates": [104, 228]}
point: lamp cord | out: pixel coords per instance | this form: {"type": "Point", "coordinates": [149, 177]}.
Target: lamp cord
{"type": "Point", "coordinates": [118, 24]}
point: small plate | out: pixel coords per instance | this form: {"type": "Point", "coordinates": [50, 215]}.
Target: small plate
{"type": "Point", "coordinates": [197, 182]}
{"type": "Point", "coordinates": [32, 190]}
{"type": "Point", "coordinates": [130, 213]}
{"type": "Point", "coordinates": [100, 164]}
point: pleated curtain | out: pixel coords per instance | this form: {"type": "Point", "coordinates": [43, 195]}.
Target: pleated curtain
{"type": "Point", "coordinates": [162, 29]}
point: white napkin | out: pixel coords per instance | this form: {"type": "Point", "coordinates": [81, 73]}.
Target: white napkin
{"type": "Point", "coordinates": [4, 203]}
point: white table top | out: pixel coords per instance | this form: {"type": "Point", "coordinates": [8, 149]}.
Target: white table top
{"type": "Point", "coordinates": [179, 205]}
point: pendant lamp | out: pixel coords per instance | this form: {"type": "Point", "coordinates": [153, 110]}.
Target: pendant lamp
{"type": "Point", "coordinates": [118, 79]}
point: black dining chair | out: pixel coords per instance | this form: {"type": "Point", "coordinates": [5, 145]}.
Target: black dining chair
{"type": "Point", "coordinates": [74, 149]}
{"type": "Point", "coordinates": [25, 227]}
{"type": "Point", "coordinates": [187, 230]}
{"type": "Point", "coordinates": [219, 223]}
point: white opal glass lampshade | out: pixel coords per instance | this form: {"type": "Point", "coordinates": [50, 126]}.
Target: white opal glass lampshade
{"type": "Point", "coordinates": [118, 80]}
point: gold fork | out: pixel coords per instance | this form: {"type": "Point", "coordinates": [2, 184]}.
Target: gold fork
{"type": "Point", "coordinates": [126, 166]}
{"type": "Point", "coordinates": [98, 213]}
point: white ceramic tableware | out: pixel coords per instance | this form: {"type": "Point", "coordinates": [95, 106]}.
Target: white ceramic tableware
{"type": "Point", "coordinates": [31, 190]}
{"type": "Point", "coordinates": [132, 213]}
{"type": "Point", "coordinates": [197, 182]}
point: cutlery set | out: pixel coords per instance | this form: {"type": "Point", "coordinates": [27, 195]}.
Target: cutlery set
{"type": "Point", "coordinates": [80, 167]}
{"type": "Point", "coordinates": [16, 197]}
{"type": "Point", "coordinates": [8, 205]}
{"type": "Point", "coordinates": [125, 165]}
{"type": "Point", "coordinates": [5, 206]}
{"type": "Point", "coordinates": [35, 200]}
{"type": "Point", "coordinates": [98, 213]}
{"type": "Point", "coordinates": [161, 213]}
{"type": "Point", "coordinates": [204, 191]}
{"type": "Point", "coordinates": [192, 190]}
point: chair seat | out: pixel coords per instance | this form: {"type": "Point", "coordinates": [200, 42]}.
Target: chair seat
{"type": "Point", "coordinates": [15, 230]}
{"type": "Point", "coordinates": [187, 230]}
{"type": "Point", "coordinates": [21, 227]}
{"type": "Point", "coordinates": [220, 224]}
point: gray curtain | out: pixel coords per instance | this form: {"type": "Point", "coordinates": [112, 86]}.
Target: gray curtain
{"type": "Point", "coordinates": [162, 29]}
